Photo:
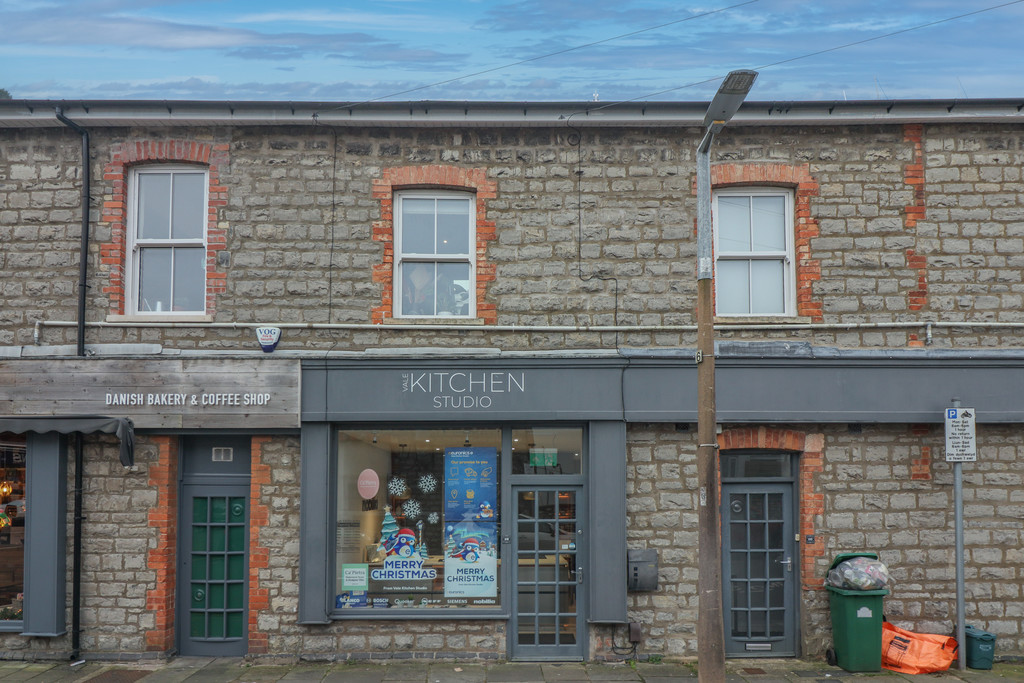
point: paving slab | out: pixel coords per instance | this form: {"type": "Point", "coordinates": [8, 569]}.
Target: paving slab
{"type": "Point", "coordinates": [451, 672]}
{"type": "Point", "coordinates": [407, 672]}
{"type": "Point", "coordinates": [665, 673]}
{"type": "Point", "coordinates": [618, 671]}
{"type": "Point", "coordinates": [564, 673]}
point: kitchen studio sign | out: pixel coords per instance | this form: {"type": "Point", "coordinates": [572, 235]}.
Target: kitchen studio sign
{"type": "Point", "coordinates": [463, 389]}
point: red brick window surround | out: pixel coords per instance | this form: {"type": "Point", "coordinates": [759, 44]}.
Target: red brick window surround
{"type": "Point", "coordinates": [435, 177]}
{"type": "Point", "coordinates": [798, 179]}
{"type": "Point", "coordinates": [116, 207]}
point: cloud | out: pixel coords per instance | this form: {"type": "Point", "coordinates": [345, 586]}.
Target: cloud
{"type": "Point", "coordinates": [43, 28]}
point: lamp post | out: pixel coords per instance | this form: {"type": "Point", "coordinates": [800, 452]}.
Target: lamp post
{"type": "Point", "coordinates": [710, 624]}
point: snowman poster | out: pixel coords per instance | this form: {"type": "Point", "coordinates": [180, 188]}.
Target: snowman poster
{"type": "Point", "coordinates": [471, 517]}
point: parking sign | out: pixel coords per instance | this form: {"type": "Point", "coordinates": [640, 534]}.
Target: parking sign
{"type": "Point", "coordinates": [961, 445]}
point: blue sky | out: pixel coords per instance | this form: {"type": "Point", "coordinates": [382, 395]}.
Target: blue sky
{"type": "Point", "coordinates": [508, 50]}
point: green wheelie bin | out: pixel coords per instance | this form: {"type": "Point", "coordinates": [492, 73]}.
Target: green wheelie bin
{"type": "Point", "coordinates": [856, 624]}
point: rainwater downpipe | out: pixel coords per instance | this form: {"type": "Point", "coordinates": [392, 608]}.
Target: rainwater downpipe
{"type": "Point", "coordinates": [83, 265]}
{"type": "Point", "coordinates": [83, 261]}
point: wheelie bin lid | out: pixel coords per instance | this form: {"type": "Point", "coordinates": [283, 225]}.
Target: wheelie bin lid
{"type": "Point", "coordinates": [842, 557]}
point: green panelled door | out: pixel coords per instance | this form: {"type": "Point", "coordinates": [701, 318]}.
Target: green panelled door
{"type": "Point", "coordinates": [215, 563]}
{"type": "Point", "coordinates": [218, 568]}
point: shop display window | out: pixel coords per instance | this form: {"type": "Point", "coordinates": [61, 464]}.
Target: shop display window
{"type": "Point", "coordinates": [418, 519]}
{"type": "Point", "coordinates": [12, 526]}
{"type": "Point", "coordinates": [547, 450]}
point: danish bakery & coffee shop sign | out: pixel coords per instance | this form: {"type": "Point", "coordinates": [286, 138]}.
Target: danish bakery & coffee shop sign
{"type": "Point", "coordinates": [157, 393]}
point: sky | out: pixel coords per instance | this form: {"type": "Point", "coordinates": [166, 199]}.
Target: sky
{"type": "Point", "coordinates": [509, 50]}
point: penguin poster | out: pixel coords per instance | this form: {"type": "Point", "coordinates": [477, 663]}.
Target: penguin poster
{"type": "Point", "coordinates": [471, 560]}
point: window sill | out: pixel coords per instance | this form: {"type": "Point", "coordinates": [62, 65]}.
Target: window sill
{"type": "Point", "coordinates": [726, 321]}
{"type": "Point", "coordinates": [421, 320]}
{"type": "Point", "coordinates": [161, 318]}
{"type": "Point", "coordinates": [12, 626]}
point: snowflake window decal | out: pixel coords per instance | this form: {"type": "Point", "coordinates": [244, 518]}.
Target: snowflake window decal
{"type": "Point", "coordinates": [433, 518]}
{"type": "Point", "coordinates": [428, 483]}
{"type": "Point", "coordinates": [411, 508]}
{"type": "Point", "coordinates": [397, 486]}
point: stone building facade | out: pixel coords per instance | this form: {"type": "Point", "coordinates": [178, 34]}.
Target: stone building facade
{"type": "Point", "coordinates": [901, 277]}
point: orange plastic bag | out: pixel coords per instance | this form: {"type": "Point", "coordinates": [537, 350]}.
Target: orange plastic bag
{"type": "Point", "coordinates": [915, 653]}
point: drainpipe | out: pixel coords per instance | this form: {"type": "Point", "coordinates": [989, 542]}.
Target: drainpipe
{"type": "Point", "coordinates": [83, 272]}
{"type": "Point", "coordinates": [83, 264]}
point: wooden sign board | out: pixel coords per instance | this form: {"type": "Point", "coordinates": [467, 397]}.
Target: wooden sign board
{"type": "Point", "coordinates": [157, 393]}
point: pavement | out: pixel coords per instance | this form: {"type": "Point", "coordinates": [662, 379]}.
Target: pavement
{"type": "Point", "coordinates": [215, 670]}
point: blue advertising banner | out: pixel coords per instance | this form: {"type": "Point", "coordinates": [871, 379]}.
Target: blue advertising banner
{"type": "Point", "coordinates": [470, 484]}
{"type": "Point", "coordinates": [471, 529]}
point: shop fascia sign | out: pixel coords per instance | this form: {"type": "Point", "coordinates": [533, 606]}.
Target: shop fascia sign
{"type": "Point", "coordinates": [463, 389]}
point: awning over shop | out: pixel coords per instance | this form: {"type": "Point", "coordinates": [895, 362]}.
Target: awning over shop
{"type": "Point", "coordinates": [84, 424]}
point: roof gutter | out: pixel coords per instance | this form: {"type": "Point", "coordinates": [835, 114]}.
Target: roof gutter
{"type": "Point", "coordinates": [83, 261]}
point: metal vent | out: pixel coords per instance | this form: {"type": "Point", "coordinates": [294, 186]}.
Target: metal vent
{"type": "Point", "coordinates": [223, 454]}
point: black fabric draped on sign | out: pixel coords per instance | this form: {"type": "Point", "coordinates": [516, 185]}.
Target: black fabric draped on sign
{"type": "Point", "coordinates": [85, 424]}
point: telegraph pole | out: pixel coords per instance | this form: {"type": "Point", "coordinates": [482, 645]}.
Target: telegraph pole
{"type": "Point", "coordinates": [710, 623]}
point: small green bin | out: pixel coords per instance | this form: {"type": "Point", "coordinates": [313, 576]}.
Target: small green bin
{"type": "Point", "coordinates": [856, 623]}
{"type": "Point", "coordinates": [981, 647]}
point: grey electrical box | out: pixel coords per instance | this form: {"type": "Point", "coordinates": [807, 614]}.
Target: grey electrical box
{"type": "Point", "coordinates": [642, 570]}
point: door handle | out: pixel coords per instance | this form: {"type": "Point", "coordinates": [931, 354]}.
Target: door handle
{"type": "Point", "coordinates": [788, 562]}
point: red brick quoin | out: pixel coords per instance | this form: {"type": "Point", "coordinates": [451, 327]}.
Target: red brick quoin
{"type": "Point", "coordinates": [259, 555]}
{"type": "Point", "coordinates": [913, 178]}
{"type": "Point", "coordinates": [163, 477]}
{"type": "Point", "coordinates": [115, 206]}
{"type": "Point", "coordinates": [812, 502]}
{"type": "Point", "coordinates": [438, 178]}
{"type": "Point", "coordinates": [798, 177]}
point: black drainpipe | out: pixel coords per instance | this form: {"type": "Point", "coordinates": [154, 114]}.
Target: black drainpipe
{"type": "Point", "coordinates": [83, 271]}
{"type": "Point", "coordinates": [83, 265]}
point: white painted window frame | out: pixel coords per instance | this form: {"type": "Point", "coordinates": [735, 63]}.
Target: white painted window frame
{"type": "Point", "coordinates": [401, 258]}
{"type": "Point", "coordinates": [133, 258]}
{"type": "Point", "coordinates": [787, 256]}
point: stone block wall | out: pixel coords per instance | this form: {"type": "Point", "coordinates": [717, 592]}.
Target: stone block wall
{"type": "Point", "coordinates": [871, 500]}
{"type": "Point", "coordinates": [875, 495]}
{"type": "Point", "coordinates": [898, 225]}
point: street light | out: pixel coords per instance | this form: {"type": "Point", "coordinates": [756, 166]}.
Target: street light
{"type": "Point", "coordinates": [710, 623]}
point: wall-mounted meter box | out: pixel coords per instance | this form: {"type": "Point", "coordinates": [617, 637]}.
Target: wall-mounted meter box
{"type": "Point", "coordinates": [642, 570]}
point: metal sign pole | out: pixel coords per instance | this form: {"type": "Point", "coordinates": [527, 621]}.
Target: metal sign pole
{"type": "Point", "coordinates": [958, 506]}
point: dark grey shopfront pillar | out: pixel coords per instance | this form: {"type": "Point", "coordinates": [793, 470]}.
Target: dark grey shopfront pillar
{"type": "Point", "coordinates": [607, 483]}
{"type": "Point", "coordinates": [45, 535]}
{"type": "Point", "coordinates": [314, 539]}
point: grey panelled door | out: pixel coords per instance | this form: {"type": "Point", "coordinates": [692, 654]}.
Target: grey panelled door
{"type": "Point", "coordinates": [212, 613]}
{"type": "Point", "coordinates": [758, 570]}
{"type": "Point", "coordinates": [548, 619]}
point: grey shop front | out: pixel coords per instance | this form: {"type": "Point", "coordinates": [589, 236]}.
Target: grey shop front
{"type": "Point", "coordinates": [473, 488]}
{"type": "Point", "coordinates": [466, 489]}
